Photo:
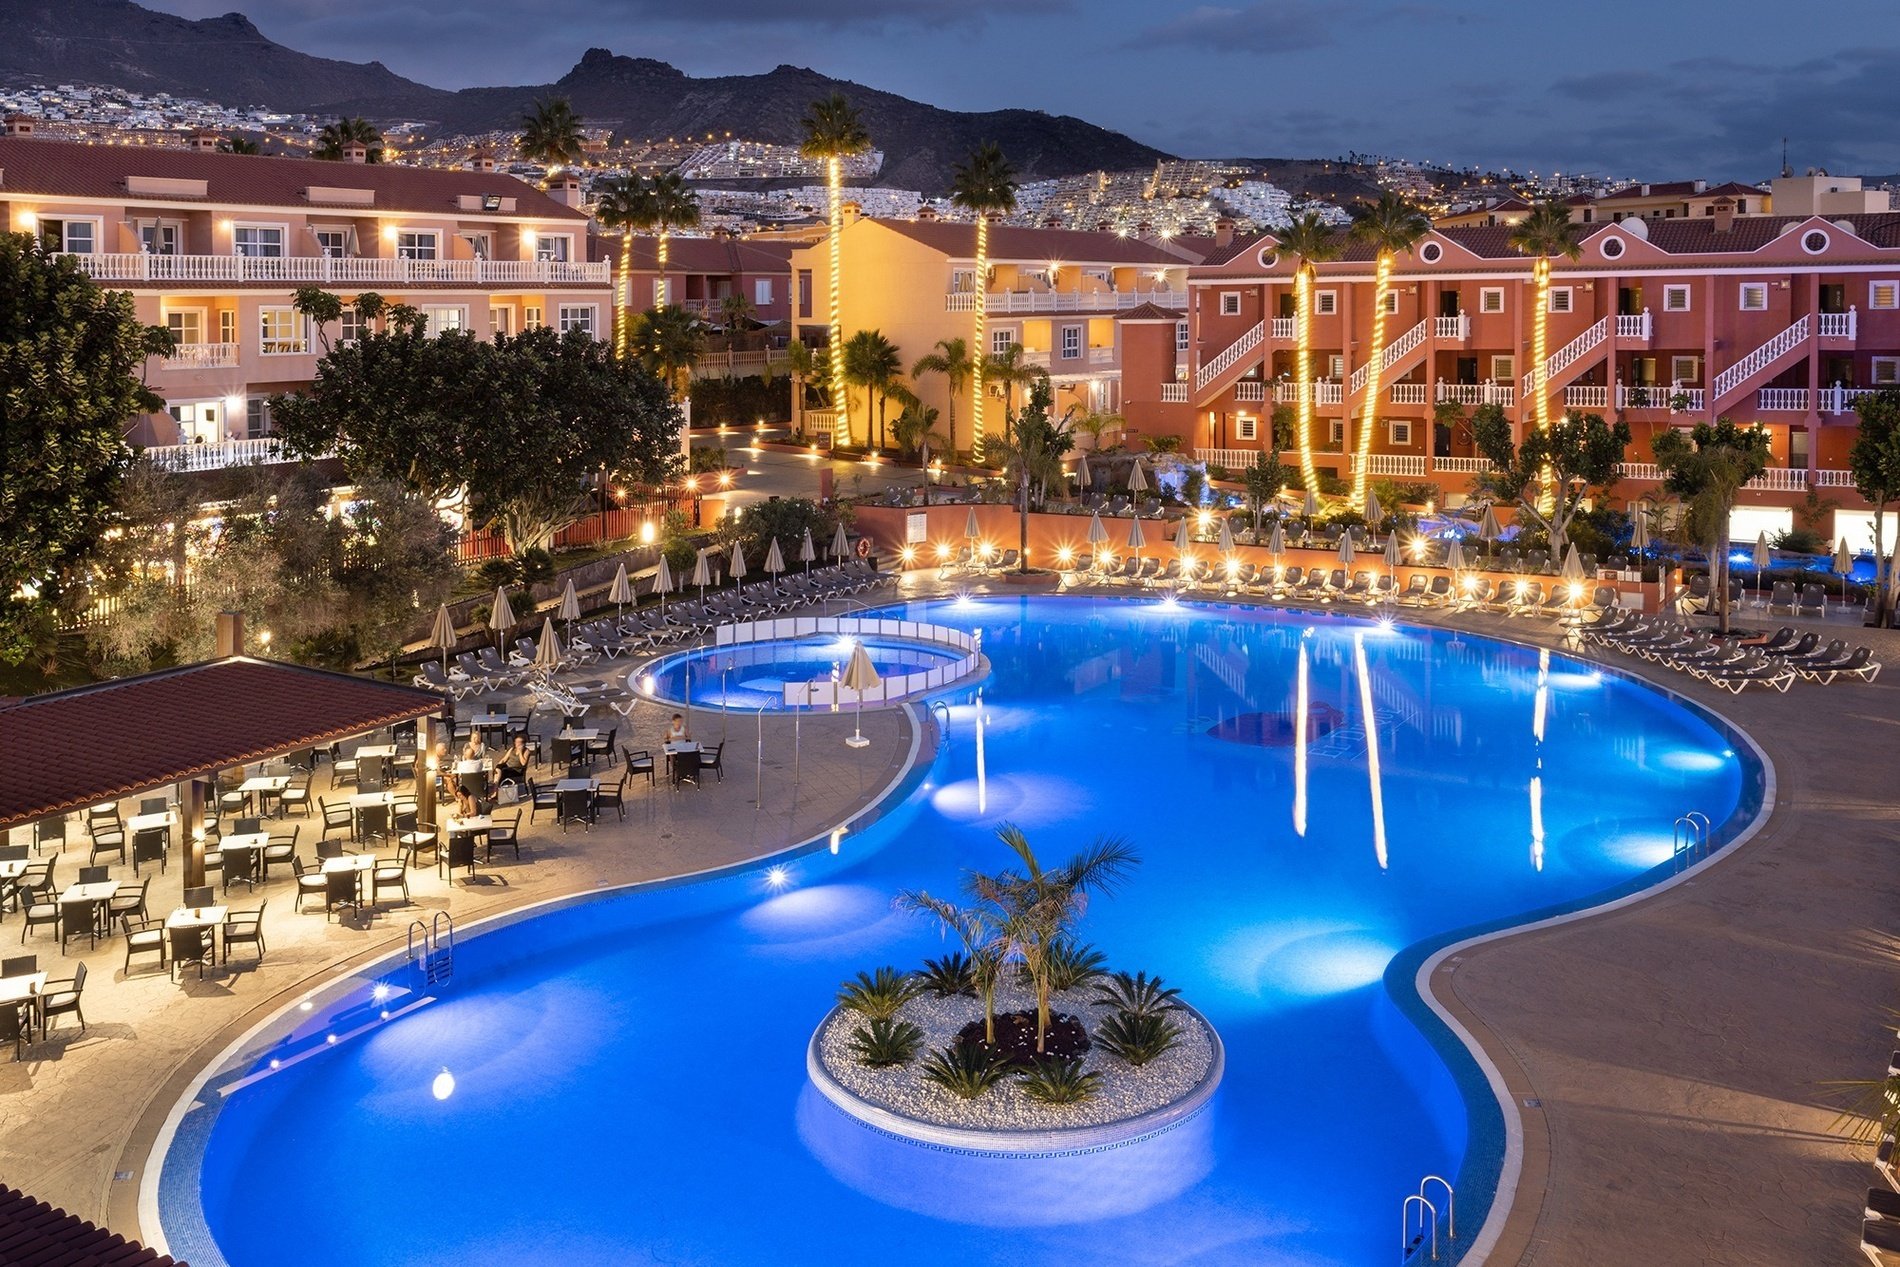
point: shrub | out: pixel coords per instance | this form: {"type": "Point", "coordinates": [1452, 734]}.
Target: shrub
{"type": "Point", "coordinates": [1137, 995]}
{"type": "Point", "coordinates": [883, 1042]}
{"type": "Point", "coordinates": [1058, 1081]}
{"type": "Point", "coordinates": [965, 1070]}
{"type": "Point", "coordinates": [1215, 471]}
{"type": "Point", "coordinates": [1799, 541]}
{"type": "Point", "coordinates": [1071, 965]}
{"type": "Point", "coordinates": [877, 994]}
{"type": "Point", "coordinates": [1138, 1038]}
{"type": "Point", "coordinates": [949, 976]}
{"type": "Point", "coordinates": [495, 573]}
{"type": "Point", "coordinates": [536, 565]}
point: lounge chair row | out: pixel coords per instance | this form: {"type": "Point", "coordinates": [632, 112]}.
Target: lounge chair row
{"type": "Point", "coordinates": [1778, 662]}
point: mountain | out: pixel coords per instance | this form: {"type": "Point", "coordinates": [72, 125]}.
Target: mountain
{"type": "Point", "coordinates": [228, 60]}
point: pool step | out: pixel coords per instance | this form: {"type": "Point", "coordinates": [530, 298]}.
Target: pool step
{"type": "Point", "coordinates": [435, 951]}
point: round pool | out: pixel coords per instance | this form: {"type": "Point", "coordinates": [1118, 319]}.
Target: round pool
{"type": "Point", "coordinates": [1318, 800]}
{"type": "Point", "coordinates": [754, 675]}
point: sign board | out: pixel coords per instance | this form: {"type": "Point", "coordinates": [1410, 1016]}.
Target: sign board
{"type": "Point", "coordinates": [916, 528]}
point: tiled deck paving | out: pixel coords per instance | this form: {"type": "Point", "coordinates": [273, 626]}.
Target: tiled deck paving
{"type": "Point", "coordinates": [1676, 1045]}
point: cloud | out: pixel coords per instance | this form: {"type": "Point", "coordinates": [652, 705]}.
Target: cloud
{"type": "Point", "coordinates": [1258, 28]}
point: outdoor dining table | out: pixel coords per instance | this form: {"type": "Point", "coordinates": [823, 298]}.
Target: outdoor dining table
{"type": "Point", "coordinates": [26, 988]}
{"type": "Point", "coordinates": [361, 801]}
{"type": "Point", "coordinates": [258, 784]}
{"type": "Point", "coordinates": [206, 919]}
{"type": "Point", "coordinates": [578, 735]}
{"type": "Point", "coordinates": [489, 721]}
{"type": "Point", "coordinates": [88, 897]}
{"type": "Point", "coordinates": [360, 863]}
{"type": "Point", "coordinates": [145, 822]}
{"type": "Point", "coordinates": [248, 842]}
{"type": "Point", "coordinates": [387, 751]}
{"type": "Point", "coordinates": [13, 870]}
{"type": "Point", "coordinates": [673, 752]}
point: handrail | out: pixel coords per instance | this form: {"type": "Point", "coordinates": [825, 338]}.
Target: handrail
{"type": "Point", "coordinates": [1567, 355]}
{"type": "Point", "coordinates": [1395, 352]}
{"type": "Point", "coordinates": [1407, 1247]}
{"type": "Point", "coordinates": [1760, 359]}
{"type": "Point", "coordinates": [1234, 351]}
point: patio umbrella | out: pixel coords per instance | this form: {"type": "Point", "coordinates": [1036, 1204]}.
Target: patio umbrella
{"type": "Point", "coordinates": [971, 528]}
{"type": "Point", "coordinates": [1311, 507]}
{"type": "Point", "coordinates": [1184, 544]}
{"type": "Point", "coordinates": [1276, 544]}
{"type": "Point", "coordinates": [774, 563]}
{"type": "Point", "coordinates": [1455, 555]}
{"type": "Point", "coordinates": [442, 634]}
{"type": "Point", "coordinates": [1488, 530]}
{"type": "Point", "coordinates": [1843, 566]}
{"type": "Point", "coordinates": [1137, 479]}
{"type": "Point", "coordinates": [570, 609]}
{"type": "Point", "coordinates": [1392, 555]}
{"type": "Point", "coordinates": [1226, 543]}
{"type": "Point", "coordinates": [738, 562]}
{"type": "Point", "coordinates": [1375, 513]}
{"type": "Point", "coordinates": [1082, 477]}
{"type": "Point", "coordinates": [1136, 539]}
{"type": "Point", "coordinates": [501, 617]}
{"type": "Point", "coordinates": [840, 544]}
{"type": "Point", "coordinates": [1762, 560]}
{"type": "Point", "coordinates": [807, 551]}
{"type": "Point", "coordinates": [663, 583]}
{"type": "Point", "coordinates": [860, 675]}
{"type": "Point", "coordinates": [620, 593]}
{"type": "Point", "coordinates": [1572, 569]}
{"type": "Point", "coordinates": [547, 652]}
{"type": "Point", "coordinates": [1639, 528]}
{"type": "Point", "coordinates": [1345, 548]}
{"type": "Point", "coordinates": [702, 575]}
{"type": "Point", "coordinates": [1097, 534]}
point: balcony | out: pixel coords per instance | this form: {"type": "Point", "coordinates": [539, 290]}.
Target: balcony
{"type": "Point", "coordinates": [1411, 393]}
{"type": "Point", "coordinates": [1393, 465]}
{"type": "Point", "coordinates": [1174, 393]}
{"type": "Point", "coordinates": [1636, 326]}
{"type": "Point", "coordinates": [1250, 391]}
{"type": "Point", "coordinates": [1675, 398]}
{"type": "Point", "coordinates": [1782, 399]}
{"type": "Point", "coordinates": [1014, 301]}
{"type": "Point", "coordinates": [218, 454]}
{"type": "Point", "coordinates": [1101, 356]}
{"type": "Point", "coordinates": [1456, 328]}
{"type": "Point", "coordinates": [1286, 329]}
{"type": "Point", "coordinates": [202, 356]}
{"type": "Point", "coordinates": [1461, 466]}
{"type": "Point", "coordinates": [1487, 393]}
{"type": "Point", "coordinates": [1586, 397]}
{"type": "Point", "coordinates": [1323, 391]}
{"type": "Point", "coordinates": [297, 270]}
{"type": "Point", "coordinates": [1839, 325]}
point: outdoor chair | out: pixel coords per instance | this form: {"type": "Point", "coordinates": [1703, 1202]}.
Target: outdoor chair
{"type": "Point", "coordinates": [108, 841]}
{"type": "Point", "coordinates": [144, 937]}
{"type": "Point", "coordinates": [190, 944]}
{"type": "Point", "coordinates": [337, 818]}
{"type": "Point", "coordinates": [639, 761]}
{"type": "Point", "coordinates": [309, 883]}
{"type": "Point", "coordinates": [542, 798]}
{"type": "Point", "coordinates": [245, 928]}
{"type": "Point", "coordinates": [19, 966]}
{"type": "Point", "coordinates": [1813, 601]}
{"type": "Point", "coordinates": [608, 795]}
{"type": "Point", "coordinates": [714, 759]}
{"type": "Point", "coordinates": [460, 853]}
{"type": "Point", "coordinates": [576, 806]}
{"type": "Point", "coordinates": [420, 836]}
{"type": "Point", "coordinates": [39, 901]}
{"type": "Point", "coordinates": [198, 897]}
{"type": "Point", "coordinates": [602, 746]}
{"type": "Point", "coordinates": [242, 866]}
{"type": "Point", "coordinates": [15, 1028]}
{"type": "Point", "coordinates": [61, 998]}
{"type": "Point", "coordinates": [328, 849]}
{"type": "Point", "coordinates": [1860, 663]}
{"type": "Point", "coordinates": [390, 873]}
{"type": "Point", "coordinates": [505, 830]}
{"type": "Point", "coordinates": [150, 844]}
{"type": "Point", "coordinates": [278, 849]}
{"type": "Point", "coordinates": [296, 796]}
{"type": "Point", "coordinates": [1781, 598]}
{"type": "Point", "coordinates": [49, 831]}
{"type": "Point", "coordinates": [339, 889]}
{"type": "Point", "coordinates": [121, 908]}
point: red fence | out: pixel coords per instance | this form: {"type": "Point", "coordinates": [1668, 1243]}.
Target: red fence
{"type": "Point", "coordinates": [619, 524]}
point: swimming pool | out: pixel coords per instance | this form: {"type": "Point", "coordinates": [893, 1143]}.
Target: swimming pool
{"type": "Point", "coordinates": [753, 675]}
{"type": "Point", "coordinates": [605, 1108]}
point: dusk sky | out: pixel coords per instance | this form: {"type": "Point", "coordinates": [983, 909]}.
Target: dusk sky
{"type": "Point", "coordinates": [1650, 88]}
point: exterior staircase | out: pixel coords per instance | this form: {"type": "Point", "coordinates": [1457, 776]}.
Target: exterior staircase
{"type": "Point", "coordinates": [1400, 354]}
{"type": "Point", "coordinates": [1236, 360]}
{"type": "Point", "coordinates": [1567, 361]}
{"type": "Point", "coordinates": [1763, 363]}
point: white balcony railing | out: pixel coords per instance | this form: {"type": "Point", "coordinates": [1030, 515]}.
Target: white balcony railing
{"type": "Point", "coordinates": [1830, 478]}
{"type": "Point", "coordinates": [297, 270]}
{"type": "Point", "coordinates": [1011, 301]}
{"type": "Point", "coordinates": [1285, 329]}
{"type": "Point", "coordinates": [1174, 393]}
{"type": "Point", "coordinates": [1393, 465]}
{"type": "Point", "coordinates": [1675, 397]}
{"type": "Point", "coordinates": [1324, 391]}
{"type": "Point", "coordinates": [1780, 399]}
{"type": "Point", "coordinates": [1458, 327]}
{"type": "Point", "coordinates": [1760, 359]}
{"type": "Point", "coordinates": [1250, 390]}
{"type": "Point", "coordinates": [1840, 400]}
{"type": "Point", "coordinates": [1635, 326]}
{"type": "Point", "coordinates": [1101, 356]}
{"type": "Point", "coordinates": [217, 454]}
{"type": "Point", "coordinates": [1569, 354]}
{"type": "Point", "coordinates": [1586, 397]}
{"type": "Point", "coordinates": [1410, 393]}
{"type": "Point", "coordinates": [1780, 479]}
{"type": "Point", "coordinates": [1461, 466]}
{"type": "Point", "coordinates": [203, 356]}
{"type": "Point", "coordinates": [1648, 471]}
{"type": "Point", "coordinates": [1230, 356]}
{"type": "Point", "coordinates": [1486, 393]}
{"type": "Point", "coordinates": [1235, 460]}
{"type": "Point", "coordinates": [1395, 352]}
{"type": "Point", "coordinates": [1839, 325]}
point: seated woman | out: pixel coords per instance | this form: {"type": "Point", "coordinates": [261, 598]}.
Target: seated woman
{"type": "Point", "coordinates": [676, 731]}
{"type": "Point", "coordinates": [512, 767]}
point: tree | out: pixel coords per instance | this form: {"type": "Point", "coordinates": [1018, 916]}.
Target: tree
{"type": "Point", "coordinates": [1311, 242]}
{"type": "Point", "coordinates": [1874, 460]}
{"type": "Point", "coordinates": [235, 144]}
{"type": "Point", "coordinates": [520, 427]}
{"type": "Point", "coordinates": [322, 309]}
{"type": "Point", "coordinates": [782, 519]}
{"type": "Point", "coordinates": [950, 358]}
{"type": "Point", "coordinates": [669, 204]}
{"type": "Point", "coordinates": [834, 132]}
{"type": "Point", "coordinates": [1264, 479]}
{"type": "Point", "coordinates": [735, 315]}
{"type": "Point", "coordinates": [551, 134]}
{"type": "Point", "coordinates": [916, 431]}
{"type": "Point", "coordinates": [669, 343]}
{"type": "Point", "coordinates": [336, 138]}
{"type": "Point", "coordinates": [1031, 452]}
{"type": "Point", "coordinates": [1544, 233]}
{"type": "Point", "coordinates": [71, 356]}
{"type": "Point", "coordinates": [985, 185]}
{"type": "Point", "coordinates": [1552, 473]}
{"type": "Point", "coordinates": [1706, 471]}
{"type": "Point", "coordinates": [398, 564]}
{"type": "Point", "coordinates": [871, 362]}
{"type": "Point", "coordinates": [619, 208]}
{"type": "Point", "coordinates": [806, 369]}
{"type": "Point", "coordinates": [1008, 369]}
{"type": "Point", "coordinates": [1391, 226]}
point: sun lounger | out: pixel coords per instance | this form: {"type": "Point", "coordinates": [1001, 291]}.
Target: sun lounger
{"type": "Point", "coordinates": [1860, 664]}
{"type": "Point", "coordinates": [1752, 670]}
{"type": "Point", "coordinates": [1813, 601]}
{"type": "Point", "coordinates": [1836, 649]}
{"type": "Point", "coordinates": [1781, 598]}
{"type": "Point", "coordinates": [1415, 591]}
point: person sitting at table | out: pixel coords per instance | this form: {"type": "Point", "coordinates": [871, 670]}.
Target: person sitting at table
{"type": "Point", "coordinates": [474, 750]}
{"type": "Point", "coordinates": [676, 731]}
{"type": "Point", "coordinates": [513, 765]}
{"type": "Point", "coordinates": [468, 805]}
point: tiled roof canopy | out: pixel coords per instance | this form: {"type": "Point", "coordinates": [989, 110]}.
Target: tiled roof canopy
{"type": "Point", "coordinates": [74, 170]}
{"type": "Point", "coordinates": [1007, 242]}
{"type": "Point", "coordinates": [70, 749]}
{"type": "Point", "coordinates": [46, 1236]}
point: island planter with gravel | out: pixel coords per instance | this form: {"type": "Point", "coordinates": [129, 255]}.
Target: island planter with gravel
{"type": "Point", "coordinates": [1023, 1041]}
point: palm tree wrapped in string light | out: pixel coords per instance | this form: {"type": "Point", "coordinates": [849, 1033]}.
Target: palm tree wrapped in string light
{"type": "Point", "coordinates": [1311, 242]}
{"type": "Point", "coordinates": [834, 132]}
{"type": "Point", "coordinates": [1545, 233]}
{"type": "Point", "coordinates": [986, 185]}
{"type": "Point", "coordinates": [618, 209]}
{"type": "Point", "coordinates": [1391, 226]}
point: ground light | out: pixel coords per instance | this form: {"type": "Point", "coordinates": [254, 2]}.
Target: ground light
{"type": "Point", "coordinates": [777, 878]}
{"type": "Point", "coordinates": [444, 1085]}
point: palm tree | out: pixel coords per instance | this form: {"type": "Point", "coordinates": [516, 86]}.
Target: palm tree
{"type": "Point", "coordinates": [551, 134]}
{"type": "Point", "coordinates": [235, 144]}
{"type": "Point", "coordinates": [1311, 242]}
{"type": "Point", "coordinates": [1544, 233]}
{"type": "Point", "coordinates": [1036, 907]}
{"type": "Point", "coordinates": [1009, 370]}
{"type": "Point", "coordinates": [952, 360]}
{"type": "Point", "coordinates": [1391, 226]}
{"type": "Point", "coordinates": [735, 314]}
{"type": "Point", "coordinates": [977, 928]}
{"type": "Point", "coordinates": [668, 342]}
{"type": "Point", "coordinates": [986, 185]}
{"type": "Point", "coordinates": [1031, 451]}
{"type": "Point", "coordinates": [669, 204]}
{"type": "Point", "coordinates": [916, 430]}
{"type": "Point", "coordinates": [619, 206]}
{"type": "Point", "coordinates": [339, 136]}
{"type": "Point", "coordinates": [834, 132]}
{"type": "Point", "coordinates": [804, 368]}
{"type": "Point", "coordinates": [871, 361]}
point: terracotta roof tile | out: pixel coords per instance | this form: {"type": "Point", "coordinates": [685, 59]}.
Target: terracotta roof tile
{"type": "Point", "coordinates": [1151, 312]}
{"type": "Point", "coordinates": [1007, 242]}
{"type": "Point", "coordinates": [33, 1232]}
{"type": "Point", "coordinates": [700, 255]}
{"type": "Point", "coordinates": [70, 749]}
{"type": "Point", "coordinates": [72, 169]}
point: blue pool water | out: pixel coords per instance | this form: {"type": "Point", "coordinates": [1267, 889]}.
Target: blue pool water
{"type": "Point", "coordinates": [754, 675]}
{"type": "Point", "coordinates": [628, 1071]}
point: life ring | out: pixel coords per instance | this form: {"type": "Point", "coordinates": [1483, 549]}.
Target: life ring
{"type": "Point", "coordinates": [864, 547]}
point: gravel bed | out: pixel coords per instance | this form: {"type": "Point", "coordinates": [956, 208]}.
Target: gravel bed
{"type": "Point", "coordinates": [1124, 1091]}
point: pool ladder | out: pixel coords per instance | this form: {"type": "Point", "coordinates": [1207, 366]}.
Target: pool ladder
{"type": "Point", "coordinates": [1691, 835]}
{"type": "Point", "coordinates": [941, 711]}
{"type": "Point", "coordinates": [1418, 1219]}
{"type": "Point", "coordinates": [437, 945]}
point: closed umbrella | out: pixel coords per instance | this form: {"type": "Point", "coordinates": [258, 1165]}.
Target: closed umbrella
{"type": "Point", "coordinates": [702, 575]}
{"type": "Point", "coordinates": [840, 544]}
{"type": "Point", "coordinates": [1455, 556]}
{"type": "Point", "coordinates": [620, 593]}
{"type": "Point", "coordinates": [1082, 477]}
{"type": "Point", "coordinates": [738, 562]}
{"type": "Point", "coordinates": [442, 633]}
{"type": "Point", "coordinates": [663, 584]}
{"type": "Point", "coordinates": [501, 616]}
{"type": "Point", "coordinates": [1392, 556]}
{"type": "Point", "coordinates": [1639, 528]}
{"type": "Point", "coordinates": [1488, 530]}
{"type": "Point", "coordinates": [1762, 560]}
{"type": "Point", "coordinates": [1137, 479]}
{"type": "Point", "coordinates": [860, 675]}
{"type": "Point", "coordinates": [1226, 542]}
{"type": "Point", "coordinates": [1184, 545]}
{"type": "Point", "coordinates": [547, 653]}
{"type": "Point", "coordinates": [1136, 539]}
{"type": "Point", "coordinates": [971, 531]}
{"type": "Point", "coordinates": [570, 608]}
{"type": "Point", "coordinates": [1375, 513]}
{"type": "Point", "coordinates": [774, 563]}
{"type": "Point", "coordinates": [1276, 544]}
{"type": "Point", "coordinates": [1345, 549]}
{"type": "Point", "coordinates": [807, 551]}
{"type": "Point", "coordinates": [1098, 533]}
{"type": "Point", "coordinates": [1843, 566]}
{"type": "Point", "coordinates": [1311, 506]}
{"type": "Point", "coordinates": [1571, 573]}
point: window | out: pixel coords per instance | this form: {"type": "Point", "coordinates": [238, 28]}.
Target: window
{"type": "Point", "coordinates": [1001, 341]}
{"type": "Point", "coordinates": [1336, 432]}
{"type": "Point", "coordinates": [437, 320]}
{"type": "Point", "coordinates": [480, 245]}
{"type": "Point", "coordinates": [1675, 299]}
{"type": "Point", "coordinates": [1401, 433]}
{"type": "Point", "coordinates": [1560, 299]}
{"type": "Point", "coordinates": [1431, 252]}
{"type": "Point", "coordinates": [335, 243]}
{"type": "Point", "coordinates": [1491, 299]}
{"type": "Point", "coordinates": [77, 237]}
{"type": "Point", "coordinates": [1180, 336]}
{"type": "Point", "coordinates": [1883, 294]}
{"type": "Point", "coordinates": [257, 423]}
{"type": "Point", "coordinates": [187, 327]}
{"type": "Point", "coordinates": [281, 332]}
{"type": "Point", "coordinates": [1336, 366]}
{"type": "Point", "coordinates": [761, 292]}
{"type": "Point", "coordinates": [1754, 296]}
{"type": "Point", "coordinates": [1503, 369]}
{"type": "Point", "coordinates": [1685, 369]}
{"type": "Point", "coordinates": [1071, 342]}
{"type": "Point", "coordinates": [500, 322]}
{"type": "Point", "coordinates": [1326, 302]}
{"type": "Point", "coordinates": [158, 238]}
{"type": "Point", "coordinates": [1391, 303]}
{"type": "Point", "coordinates": [1230, 303]}
{"type": "Point", "coordinates": [804, 292]}
{"type": "Point", "coordinates": [530, 316]}
{"type": "Point", "coordinates": [1611, 247]}
{"type": "Point", "coordinates": [557, 248]}
{"type": "Point", "coordinates": [417, 245]}
{"type": "Point", "coordinates": [1246, 428]}
{"type": "Point", "coordinates": [576, 317]}
{"type": "Point", "coordinates": [227, 325]}
{"type": "Point", "coordinates": [258, 241]}
{"type": "Point", "coordinates": [1886, 371]}
{"type": "Point", "coordinates": [350, 326]}
{"type": "Point", "coordinates": [1814, 241]}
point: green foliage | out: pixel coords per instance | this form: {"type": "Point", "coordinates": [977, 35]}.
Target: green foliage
{"type": "Point", "coordinates": [1554, 470]}
{"type": "Point", "coordinates": [873, 364]}
{"type": "Point", "coordinates": [1265, 480]}
{"type": "Point", "coordinates": [1874, 460]}
{"type": "Point", "coordinates": [667, 342]}
{"type": "Point", "coordinates": [739, 402]}
{"type": "Point", "coordinates": [1138, 1037]}
{"type": "Point", "coordinates": [950, 976]}
{"type": "Point", "coordinates": [1137, 995]}
{"type": "Point", "coordinates": [1054, 1080]}
{"type": "Point", "coordinates": [1071, 965]}
{"type": "Point", "coordinates": [878, 994]}
{"type": "Point", "coordinates": [524, 423]}
{"type": "Point", "coordinates": [338, 136]}
{"type": "Point", "coordinates": [1799, 541]}
{"type": "Point", "coordinates": [494, 573]}
{"type": "Point", "coordinates": [965, 1070]}
{"type": "Point", "coordinates": [1706, 470]}
{"type": "Point", "coordinates": [785, 519]}
{"type": "Point", "coordinates": [70, 359]}
{"type": "Point", "coordinates": [537, 565]}
{"type": "Point", "coordinates": [705, 459]}
{"type": "Point", "coordinates": [950, 358]}
{"type": "Point", "coordinates": [882, 1042]}
{"type": "Point", "coordinates": [551, 134]}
